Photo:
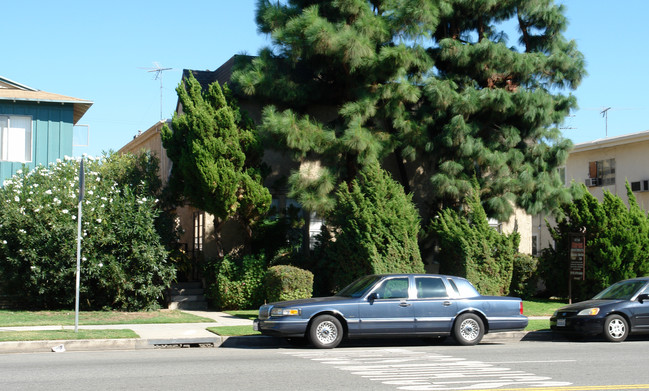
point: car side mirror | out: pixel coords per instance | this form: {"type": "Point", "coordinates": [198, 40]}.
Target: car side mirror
{"type": "Point", "coordinates": [643, 297]}
{"type": "Point", "coordinates": [373, 296]}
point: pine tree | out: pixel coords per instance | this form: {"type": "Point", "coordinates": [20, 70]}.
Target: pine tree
{"type": "Point", "coordinates": [434, 88]}
{"type": "Point", "coordinates": [215, 155]}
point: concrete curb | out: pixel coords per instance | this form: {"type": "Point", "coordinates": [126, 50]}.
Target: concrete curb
{"type": "Point", "coordinates": [246, 342]}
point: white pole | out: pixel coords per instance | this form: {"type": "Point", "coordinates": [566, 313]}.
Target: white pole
{"type": "Point", "coordinates": [78, 285]}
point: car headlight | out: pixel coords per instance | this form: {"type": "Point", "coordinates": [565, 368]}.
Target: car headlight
{"type": "Point", "coordinates": [278, 311]}
{"type": "Point", "coordinates": [589, 312]}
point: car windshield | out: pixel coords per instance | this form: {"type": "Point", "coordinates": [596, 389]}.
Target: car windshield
{"type": "Point", "coordinates": [623, 290]}
{"type": "Point", "coordinates": [359, 287]}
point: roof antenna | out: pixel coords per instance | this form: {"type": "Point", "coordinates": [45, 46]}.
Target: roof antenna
{"type": "Point", "coordinates": [158, 76]}
{"type": "Point", "coordinates": [604, 114]}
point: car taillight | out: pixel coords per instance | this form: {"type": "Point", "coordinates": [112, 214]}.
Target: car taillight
{"type": "Point", "coordinates": [521, 308]}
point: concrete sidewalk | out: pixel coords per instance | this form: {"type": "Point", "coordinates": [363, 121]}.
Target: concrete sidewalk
{"type": "Point", "coordinates": [190, 335]}
{"type": "Point", "coordinates": [150, 335]}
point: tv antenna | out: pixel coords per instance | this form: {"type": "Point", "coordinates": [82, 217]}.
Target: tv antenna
{"type": "Point", "coordinates": [158, 76]}
{"type": "Point", "coordinates": [604, 114]}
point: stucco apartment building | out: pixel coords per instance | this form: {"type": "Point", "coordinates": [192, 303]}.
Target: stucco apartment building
{"type": "Point", "coordinates": [603, 165]}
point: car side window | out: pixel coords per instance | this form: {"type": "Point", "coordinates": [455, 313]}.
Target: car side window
{"type": "Point", "coordinates": [465, 288]}
{"type": "Point", "coordinates": [394, 288]}
{"type": "Point", "coordinates": [430, 288]}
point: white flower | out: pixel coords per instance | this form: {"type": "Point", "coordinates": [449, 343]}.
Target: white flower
{"type": "Point", "coordinates": [48, 192]}
{"type": "Point", "coordinates": [22, 231]}
{"type": "Point", "coordinates": [90, 192]}
{"type": "Point", "coordinates": [65, 211]}
{"type": "Point", "coordinates": [33, 267]}
{"type": "Point", "coordinates": [37, 210]}
{"type": "Point", "coordinates": [99, 221]}
{"type": "Point", "coordinates": [74, 217]}
{"type": "Point", "coordinates": [4, 242]}
{"type": "Point", "coordinates": [17, 199]}
{"type": "Point", "coordinates": [100, 264]}
{"type": "Point", "coordinates": [29, 200]}
{"type": "Point", "coordinates": [19, 172]}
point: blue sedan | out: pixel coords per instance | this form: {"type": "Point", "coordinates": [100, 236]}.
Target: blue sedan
{"type": "Point", "coordinates": [394, 305]}
{"type": "Point", "coordinates": [617, 311]}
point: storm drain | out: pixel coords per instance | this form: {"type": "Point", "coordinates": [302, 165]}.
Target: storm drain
{"type": "Point", "coordinates": [183, 345]}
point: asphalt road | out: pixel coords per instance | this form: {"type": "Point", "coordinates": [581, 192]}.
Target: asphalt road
{"type": "Point", "coordinates": [360, 366]}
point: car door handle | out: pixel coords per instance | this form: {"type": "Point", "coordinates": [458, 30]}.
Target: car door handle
{"type": "Point", "coordinates": [446, 303]}
{"type": "Point", "coordinates": [404, 304]}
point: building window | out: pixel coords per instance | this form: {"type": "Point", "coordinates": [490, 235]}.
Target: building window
{"type": "Point", "coordinates": [601, 173]}
{"type": "Point", "coordinates": [315, 228]}
{"type": "Point", "coordinates": [16, 138]}
{"type": "Point", "coordinates": [199, 231]}
{"type": "Point", "coordinates": [535, 245]}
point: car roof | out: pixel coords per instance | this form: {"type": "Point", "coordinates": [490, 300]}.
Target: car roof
{"type": "Point", "coordinates": [417, 275]}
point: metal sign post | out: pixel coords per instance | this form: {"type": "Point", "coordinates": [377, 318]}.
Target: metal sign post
{"type": "Point", "coordinates": [82, 186]}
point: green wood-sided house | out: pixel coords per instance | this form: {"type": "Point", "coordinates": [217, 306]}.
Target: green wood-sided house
{"type": "Point", "coordinates": [36, 127]}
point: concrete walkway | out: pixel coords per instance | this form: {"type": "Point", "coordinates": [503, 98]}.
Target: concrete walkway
{"type": "Point", "coordinates": [189, 335]}
{"type": "Point", "coordinates": [150, 335]}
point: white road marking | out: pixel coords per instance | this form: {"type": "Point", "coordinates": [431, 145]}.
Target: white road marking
{"type": "Point", "coordinates": [420, 371]}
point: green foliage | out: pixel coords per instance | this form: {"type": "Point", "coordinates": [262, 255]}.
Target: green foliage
{"type": "Point", "coordinates": [444, 84]}
{"type": "Point", "coordinates": [373, 229]}
{"type": "Point", "coordinates": [285, 282]}
{"type": "Point", "coordinates": [524, 276]}
{"type": "Point", "coordinates": [470, 248]}
{"type": "Point", "coordinates": [215, 155]}
{"type": "Point", "coordinates": [238, 282]}
{"type": "Point", "coordinates": [279, 237]}
{"type": "Point", "coordinates": [617, 243]}
{"type": "Point", "coordinates": [124, 261]}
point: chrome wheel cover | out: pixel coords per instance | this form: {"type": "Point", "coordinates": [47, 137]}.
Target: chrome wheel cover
{"type": "Point", "coordinates": [616, 328]}
{"type": "Point", "coordinates": [326, 332]}
{"type": "Point", "coordinates": [469, 329]}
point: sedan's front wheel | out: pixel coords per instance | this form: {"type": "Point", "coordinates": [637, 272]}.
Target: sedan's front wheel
{"type": "Point", "coordinates": [326, 332]}
{"type": "Point", "coordinates": [468, 329]}
{"type": "Point", "coordinates": [616, 328]}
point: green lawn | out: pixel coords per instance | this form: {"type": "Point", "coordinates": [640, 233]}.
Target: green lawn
{"type": "Point", "coordinates": [66, 318]}
{"type": "Point", "coordinates": [541, 307]}
{"type": "Point", "coordinates": [53, 335]}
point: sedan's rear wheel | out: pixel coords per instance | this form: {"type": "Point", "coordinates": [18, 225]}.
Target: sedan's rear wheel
{"type": "Point", "coordinates": [468, 329]}
{"type": "Point", "coordinates": [326, 332]}
{"type": "Point", "coordinates": [616, 329]}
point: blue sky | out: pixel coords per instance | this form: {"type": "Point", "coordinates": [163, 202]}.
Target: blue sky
{"type": "Point", "coordinates": [99, 50]}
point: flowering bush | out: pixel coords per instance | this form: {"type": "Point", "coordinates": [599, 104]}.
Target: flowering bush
{"type": "Point", "coordinates": [124, 263]}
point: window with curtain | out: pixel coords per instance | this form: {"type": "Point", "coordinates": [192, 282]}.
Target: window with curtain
{"type": "Point", "coordinates": [16, 138]}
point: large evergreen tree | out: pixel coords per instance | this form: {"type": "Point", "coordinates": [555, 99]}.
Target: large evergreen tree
{"type": "Point", "coordinates": [440, 84]}
{"type": "Point", "coordinates": [215, 154]}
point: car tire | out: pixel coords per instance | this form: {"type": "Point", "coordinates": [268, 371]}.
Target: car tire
{"type": "Point", "coordinates": [326, 332]}
{"type": "Point", "coordinates": [468, 329]}
{"type": "Point", "coordinates": [616, 328]}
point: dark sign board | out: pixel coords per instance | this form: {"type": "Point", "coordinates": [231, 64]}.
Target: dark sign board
{"type": "Point", "coordinates": [578, 256]}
